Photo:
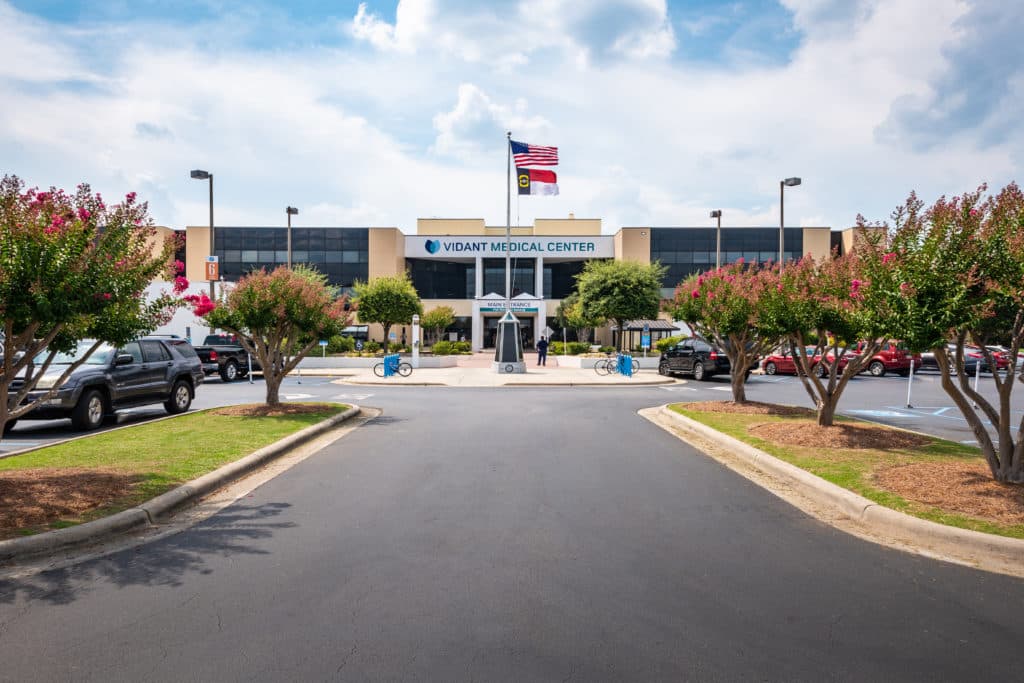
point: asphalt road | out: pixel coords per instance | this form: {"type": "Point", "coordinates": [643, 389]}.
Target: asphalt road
{"type": "Point", "coordinates": [510, 534]}
{"type": "Point", "coordinates": [879, 399]}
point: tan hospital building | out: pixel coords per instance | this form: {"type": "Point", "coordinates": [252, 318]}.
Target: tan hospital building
{"type": "Point", "coordinates": [460, 262]}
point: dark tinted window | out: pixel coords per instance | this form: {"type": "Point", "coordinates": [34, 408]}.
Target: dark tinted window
{"type": "Point", "coordinates": [133, 349]}
{"type": "Point", "coordinates": [183, 348]}
{"type": "Point", "coordinates": [154, 351]}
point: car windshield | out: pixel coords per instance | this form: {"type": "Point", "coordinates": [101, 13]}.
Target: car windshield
{"type": "Point", "coordinates": [101, 356]}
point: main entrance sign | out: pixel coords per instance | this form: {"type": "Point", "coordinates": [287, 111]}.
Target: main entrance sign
{"type": "Point", "coordinates": [490, 247]}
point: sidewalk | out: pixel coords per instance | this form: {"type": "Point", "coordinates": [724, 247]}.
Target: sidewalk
{"type": "Point", "coordinates": [475, 371]}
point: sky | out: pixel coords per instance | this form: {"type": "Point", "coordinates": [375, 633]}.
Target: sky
{"type": "Point", "coordinates": [378, 113]}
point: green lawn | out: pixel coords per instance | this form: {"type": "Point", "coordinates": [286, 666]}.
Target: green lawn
{"type": "Point", "coordinates": [162, 455]}
{"type": "Point", "coordinates": [852, 468]}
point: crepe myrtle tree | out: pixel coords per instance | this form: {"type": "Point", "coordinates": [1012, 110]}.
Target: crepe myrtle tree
{"type": "Point", "coordinates": [570, 314]}
{"type": "Point", "coordinates": [388, 300]}
{"type": "Point", "coordinates": [837, 306]}
{"type": "Point", "coordinates": [436, 320]}
{"type": "Point", "coordinates": [72, 268]}
{"type": "Point", "coordinates": [278, 317]}
{"type": "Point", "coordinates": [619, 291]}
{"type": "Point", "coordinates": [722, 307]}
{"type": "Point", "coordinates": [959, 268]}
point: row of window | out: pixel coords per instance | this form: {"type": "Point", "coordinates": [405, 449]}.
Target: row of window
{"type": "Point", "coordinates": [298, 256]}
{"type": "Point", "coordinates": [733, 239]}
{"type": "Point", "coordinates": [303, 239]}
{"type": "Point", "coordinates": [448, 280]}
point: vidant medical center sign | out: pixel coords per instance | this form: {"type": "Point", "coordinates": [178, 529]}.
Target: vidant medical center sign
{"type": "Point", "coordinates": [493, 247]}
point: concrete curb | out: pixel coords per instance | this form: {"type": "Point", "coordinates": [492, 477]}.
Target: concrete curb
{"type": "Point", "coordinates": [985, 550]}
{"type": "Point", "coordinates": [151, 510]}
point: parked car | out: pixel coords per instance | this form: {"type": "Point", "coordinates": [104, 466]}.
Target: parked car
{"type": "Point", "coordinates": [782, 362]}
{"type": "Point", "coordinates": [224, 355]}
{"type": "Point", "coordinates": [697, 358]}
{"type": "Point", "coordinates": [892, 357]}
{"type": "Point", "coordinates": [973, 358]}
{"type": "Point", "coordinates": [145, 371]}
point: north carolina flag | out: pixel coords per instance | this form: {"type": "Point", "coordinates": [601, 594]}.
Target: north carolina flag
{"type": "Point", "coordinates": [536, 181]}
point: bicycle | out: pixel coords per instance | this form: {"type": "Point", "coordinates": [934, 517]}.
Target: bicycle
{"type": "Point", "coordinates": [403, 368]}
{"type": "Point", "coordinates": [610, 365]}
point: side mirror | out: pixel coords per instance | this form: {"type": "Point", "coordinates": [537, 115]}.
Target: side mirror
{"type": "Point", "coordinates": [124, 359]}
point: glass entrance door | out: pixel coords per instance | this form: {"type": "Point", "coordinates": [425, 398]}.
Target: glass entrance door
{"type": "Point", "coordinates": [491, 330]}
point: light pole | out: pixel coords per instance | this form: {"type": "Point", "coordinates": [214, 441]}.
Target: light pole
{"type": "Point", "coordinates": [205, 175]}
{"type": "Point", "coordinates": [717, 213]}
{"type": "Point", "coordinates": [783, 184]}
{"type": "Point", "coordinates": [291, 211]}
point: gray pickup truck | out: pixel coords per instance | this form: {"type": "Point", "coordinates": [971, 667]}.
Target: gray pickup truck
{"type": "Point", "coordinates": [145, 371]}
{"type": "Point", "coordinates": [222, 354]}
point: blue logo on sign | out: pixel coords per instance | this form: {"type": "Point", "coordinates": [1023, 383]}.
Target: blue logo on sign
{"type": "Point", "coordinates": [433, 246]}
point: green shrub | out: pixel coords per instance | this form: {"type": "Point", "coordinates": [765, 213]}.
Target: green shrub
{"type": "Point", "coordinates": [607, 349]}
{"type": "Point", "coordinates": [371, 347]}
{"type": "Point", "coordinates": [339, 344]}
{"type": "Point", "coordinates": [463, 347]}
{"type": "Point", "coordinates": [665, 343]}
{"type": "Point", "coordinates": [570, 348]}
{"type": "Point", "coordinates": [443, 348]}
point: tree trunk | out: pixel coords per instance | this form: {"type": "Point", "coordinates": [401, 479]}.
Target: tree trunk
{"type": "Point", "coordinates": [387, 328]}
{"type": "Point", "coordinates": [826, 411]}
{"type": "Point", "coordinates": [738, 380]}
{"type": "Point", "coordinates": [273, 382]}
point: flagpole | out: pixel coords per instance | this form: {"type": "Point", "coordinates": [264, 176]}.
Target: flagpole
{"type": "Point", "coordinates": [508, 225]}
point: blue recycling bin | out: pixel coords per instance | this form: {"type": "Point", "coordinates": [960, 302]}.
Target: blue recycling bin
{"type": "Point", "coordinates": [625, 365]}
{"type": "Point", "coordinates": [390, 364]}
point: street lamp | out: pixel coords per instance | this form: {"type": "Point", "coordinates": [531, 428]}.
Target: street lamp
{"type": "Point", "coordinates": [717, 213]}
{"type": "Point", "coordinates": [205, 175]}
{"type": "Point", "coordinates": [291, 211]}
{"type": "Point", "coordinates": [783, 184]}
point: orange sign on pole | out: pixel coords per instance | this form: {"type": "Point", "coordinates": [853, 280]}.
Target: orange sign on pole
{"type": "Point", "coordinates": [212, 268]}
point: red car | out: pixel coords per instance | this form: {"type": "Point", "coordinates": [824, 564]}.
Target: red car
{"type": "Point", "coordinates": [892, 357]}
{"type": "Point", "coordinates": [782, 362]}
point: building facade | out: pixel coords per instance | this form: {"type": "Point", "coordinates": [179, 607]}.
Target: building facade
{"type": "Point", "coordinates": [460, 263]}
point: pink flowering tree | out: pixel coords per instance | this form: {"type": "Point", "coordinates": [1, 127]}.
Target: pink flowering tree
{"type": "Point", "coordinates": [723, 307]}
{"type": "Point", "coordinates": [71, 268]}
{"type": "Point", "coordinates": [835, 316]}
{"type": "Point", "coordinates": [278, 317]}
{"type": "Point", "coordinates": [959, 272]}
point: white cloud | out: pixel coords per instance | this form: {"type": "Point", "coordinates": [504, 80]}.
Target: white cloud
{"type": "Point", "coordinates": [415, 126]}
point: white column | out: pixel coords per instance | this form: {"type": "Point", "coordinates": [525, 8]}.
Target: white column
{"type": "Point", "coordinates": [539, 278]}
{"type": "Point", "coordinates": [477, 327]}
{"type": "Point", "coordinates": [479, 277]}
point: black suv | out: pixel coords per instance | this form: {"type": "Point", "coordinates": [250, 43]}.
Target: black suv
{"type": "Point", "coordinates": [693, 357]}
{"type": "Point", "coordinates": [145, 371]}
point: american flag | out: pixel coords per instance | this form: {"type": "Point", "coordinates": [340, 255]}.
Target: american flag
{"type": "Point", "coordinates": [533, 155]}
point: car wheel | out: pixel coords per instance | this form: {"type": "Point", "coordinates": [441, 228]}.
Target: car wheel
{"type": "Point", "coordinates": [877, 369]}
{"type": "Point", "coordinates": [698, 372]}
{"type": "Point", "coordinates": [181, 398]}
{"type": "Point", "coordinates": [821, 370]}
{"type": "Point", "coordinates": [229, 373]}
{"type": "Point", "coordinates": [88, 412]}
{"type": "Point", "coordinates": [9, 425]}
{"type": "Point", "coordinates": [770, 368]}
{"type": "Point", "coordinates": [663, 369]}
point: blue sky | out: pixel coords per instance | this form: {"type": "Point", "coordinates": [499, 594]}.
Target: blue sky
{"type": "Point", "coordinates": [377, 113]}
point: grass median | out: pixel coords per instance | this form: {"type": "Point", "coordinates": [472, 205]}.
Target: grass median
{"type": "Point", "coordinates": [70, 483]}
{"type": "Point", "coordinates": [927, 477]}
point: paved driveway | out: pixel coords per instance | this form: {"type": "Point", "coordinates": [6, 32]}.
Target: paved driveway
{"type": "Point", "coordinates": [516, 534]}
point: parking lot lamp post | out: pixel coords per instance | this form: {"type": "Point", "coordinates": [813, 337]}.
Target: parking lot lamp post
{"type": "Point", "coordinates": [291, 211]}
{"type": "Point", "coordinates": [717, 213]}
{"type": "Point", "coordinates": [205, 175]}
{"type": "Point", "coordinates": [783, 184]}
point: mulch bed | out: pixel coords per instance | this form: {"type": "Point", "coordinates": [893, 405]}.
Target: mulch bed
{"type": "Point", "coordinates": [34, 497]}
{"type": "Point", "coordinates": [748, 408]}
{"type": "Point", "coordinates": [838, 436]}
{"type": "Point", "coordinates": [263, 410]}
{"type": "Point", "coordinates": [963, 487]}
